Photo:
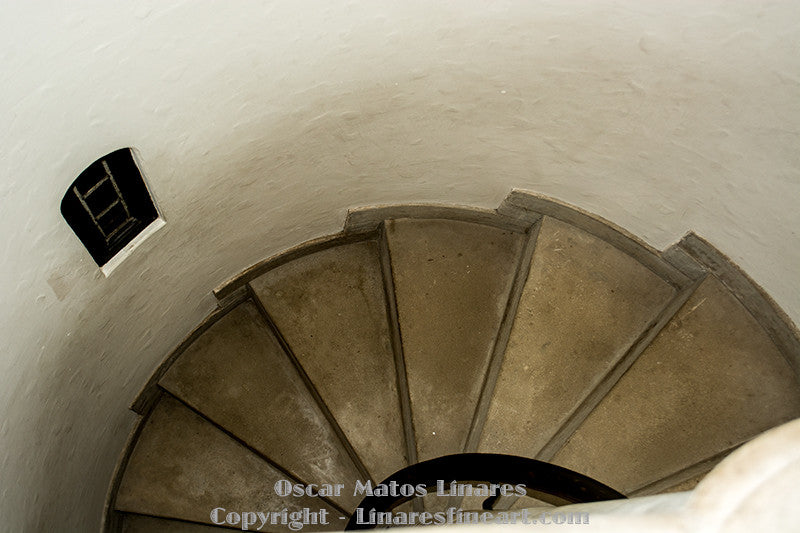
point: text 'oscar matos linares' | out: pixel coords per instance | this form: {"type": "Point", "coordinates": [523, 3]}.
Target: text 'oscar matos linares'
{"type": "Point", "coordinates": [393, 488]}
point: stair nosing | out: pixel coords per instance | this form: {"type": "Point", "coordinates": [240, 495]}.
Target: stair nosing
{"type": "Point", "coordinates": [222, 527]}
{"type": "Point", "coordinates": [685, 473]}
{"type": "Point", "coordinates": [492, 373]}
{"type": "Point", "coordinates": [401, 374]}
{"type": "Point", "coordinates": [109, 521]}
{"type": "Point", "coordinates": [518, 202]}
{"type": "Point", "coordinates": [401, 370]}
{"type": "Point", "coordinates": [290, 254]}
{"type": "Point", "coordinates": [261, 455]}
{"type": "Point", "coordinates": [779, 327]}
{"type": "Point", "coordinates": [149, 393]}
{"type": "Point", "coordinates": [370, 218]}
{"type": "Point", "coordinates": [310, 387]}
{"type": "Point", "coordinates": [614, 374]}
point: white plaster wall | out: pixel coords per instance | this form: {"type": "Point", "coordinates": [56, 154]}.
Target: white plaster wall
{"type": "Point", "coordinates": [663, 117]}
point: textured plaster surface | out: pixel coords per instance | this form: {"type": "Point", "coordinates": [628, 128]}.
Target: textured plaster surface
{"type": "Point", "coordinates": [259, 126]}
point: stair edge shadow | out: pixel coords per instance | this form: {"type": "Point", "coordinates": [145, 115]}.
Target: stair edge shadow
{"type": "Point", "coordinates": [240, 280]}
{"type": "Point", "coordinates": [608, 380]}
{"type": "Point", "coordinates": [221, 527]}
{"type": "Point", "coordinates": [370, 218]}
{"type": "Point", "coordinates": [363, 223]}
{"type": "Point", "coordinates": [272, 463]}
{"type": "Point", "coordinates": [147, 396]}
{"type": "Point", "coordinates": [686, 473]}
{"type": "Point", "coordinates": [400, 367]}
{"type": "Point", "coordinates": [112, 517]}
{"type": "Point", "coordinates": [401, 373]}
{"type": "Point", "coordinates": [111, 521]}
{"type": "Point", "coordinates": [270, 324]}
{"type": "Point", "coordinates": [492, 373]}
{"type": "Point", "coordinates": [521, 203]}
{"type": "Point", "coordinates": [680, 264]}
{"type": "Point", "coordinates": [764, 309]}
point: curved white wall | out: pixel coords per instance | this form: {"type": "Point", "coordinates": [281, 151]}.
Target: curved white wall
{"type": "Point", "coordinates": [259, 124]}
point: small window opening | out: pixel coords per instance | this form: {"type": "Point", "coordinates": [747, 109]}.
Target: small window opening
{"type": "Point", "coordinates": [108, 205]}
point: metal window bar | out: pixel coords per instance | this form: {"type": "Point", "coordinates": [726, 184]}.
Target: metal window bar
{"type": "Point", "coordinates": [121, 228]}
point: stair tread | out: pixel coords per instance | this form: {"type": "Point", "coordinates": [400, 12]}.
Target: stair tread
{"type": "Point", "coordinates": [526, 502]}
{"type": "Point", "coordinates": [710, 380]}
{"type": "Point", "coordinates": [237, 374]}
{"type": "Point", "coordinates": [452, 281]}
{"type": "Point", "coordinates": [184, 467]}
{"type": "Point", "coordinates": [133, 523]}
{"type": "Point", "coordinates": [584, 303]}
{"type": "Point", "coordinates": [472, 503]}
{"type": "Point", "coordinates": [434, 503]}
{"type": "Point", "coordinates": [331, 309]}
{"type": "Point", "coordinates": [689, 484]}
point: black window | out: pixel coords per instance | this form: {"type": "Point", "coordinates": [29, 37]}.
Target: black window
{"type": "Point", "coordinates": [108, 205]}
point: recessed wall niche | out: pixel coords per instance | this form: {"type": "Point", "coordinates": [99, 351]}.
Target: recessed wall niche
{"type": "Point", "coordinates": [108, 205]}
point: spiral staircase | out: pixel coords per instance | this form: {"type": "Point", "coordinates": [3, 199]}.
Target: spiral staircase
{"type": "Point", "coordinates": [419, 331]}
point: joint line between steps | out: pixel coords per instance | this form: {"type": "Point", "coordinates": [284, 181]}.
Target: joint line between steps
{"type": "Point", "coordinates": [256, 452]}
{"type": "Point", "coordinates": [149, 393]}
{"type": "Point", "coordinates": [397, 348]}
{"type": "Point", "coordinates": [110, 520]}
{"type": "Point", "coordinates": [501, 339]}
{"type": "Point", "coordinates": [312, 389]}
{"type": "Point", "coordinates": [181, 520]}
{"type": "Point", "coordinates": [612, 377]}
{"type": "Point", "coordinates": [401, 375]}
{"type": "Point", "coordinates": [704, 466]}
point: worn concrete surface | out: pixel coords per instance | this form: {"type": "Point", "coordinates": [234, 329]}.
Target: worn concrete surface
{"type": "Point", "coordinates": [689, 484]}
{"type": "Point", "coordinates": [710, 380]}
{"type": "Point", "coordinates": [475, 503]}
{"type": "Point", "coordinates": [526, 502]}
{"type": "Point", "coordinates": [132, 523]}
{"type": "Point", "coordinates": [434, 503]}
{"type": "Point", "coordinates": [184, 467]}
{"type": "Point", "coordinates": [238, 375]}
{"type": "Point", "coordinates": [522, 204]}
{"type": "Point", "coordinates": [472, 503]}
{"type": "Point", "coordinates": [331, 309]}
{"type": "Point", "coordinates": [584, 303]}
{"type": "Point", "coordinates": [452, 281]}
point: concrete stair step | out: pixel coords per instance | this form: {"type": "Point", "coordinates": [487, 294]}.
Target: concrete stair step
{"type": "Point", "coordinates": [688, 484]}
{"type": "Point", "coordinates": [330, 308]}
{"type": "Point", "coordinates": [238, 375]}
{"type": "Point", "coordinates": [526, 502]}
{"type": "Point", "coordinates": [432, 336]}
{"type": "Point", "coordinates": [133, 523]}
{"type": "Point", "coordinates": [475, 503]}
{"type": "Point", "coordinates": [583, 306]}
{"type": "Point", "coordinates": [711, 380]}
{"type": "Point", "coordinates": [183, 467]}
{"type": "Point", "coordinates": [452, 281]}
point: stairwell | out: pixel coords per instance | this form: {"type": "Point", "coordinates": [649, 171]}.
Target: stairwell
{"type": "Point", "coordinates": [420, 331]}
